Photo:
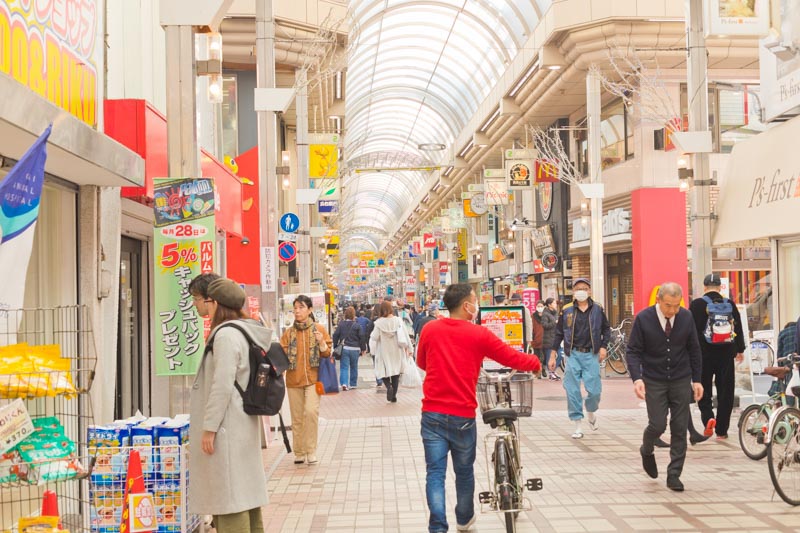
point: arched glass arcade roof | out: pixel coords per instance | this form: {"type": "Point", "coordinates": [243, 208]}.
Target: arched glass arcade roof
{"type": "Point", "coordinates": [417, 72]}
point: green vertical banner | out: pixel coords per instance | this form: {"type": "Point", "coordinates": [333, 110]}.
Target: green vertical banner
{"type": "Point", "coordinates": [183, 248]}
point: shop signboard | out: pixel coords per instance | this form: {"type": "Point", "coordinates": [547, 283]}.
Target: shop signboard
{"type": "Point", "coordinates": [496, 191]}
{"type": "Point", "coordinates": [508, 323]}
{"type": "Point", "coordinates": [520, 173]}
{"type": "Point", "coordinates": [779, 63]}
{"type": "Point", "coordinates": [184, 248]}
{"type": "Point", "coordinates": [530, 297]}
{"type": "Point", "coordinates": [323, 156]}
{"type": "Point", "coordinates": [543, 240]}
{"type": "Point", "coordinates": [51, 48]}
{"type": "Point", "coordinates": [737, 17]}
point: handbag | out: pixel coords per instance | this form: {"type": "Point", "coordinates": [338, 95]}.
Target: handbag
{"type": "Point", "coordinates": [411, 375]}
{"type": "Point", "coordinates": [337, 350]}
{"type": "Point", "coordinates": [327, 383]}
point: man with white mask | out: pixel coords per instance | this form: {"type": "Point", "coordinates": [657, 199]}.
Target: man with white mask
{"type": "Point", "coordinates": [584, 328]}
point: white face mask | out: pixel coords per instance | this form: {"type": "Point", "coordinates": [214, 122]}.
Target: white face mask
{"type": "Point", "coordinates": [539, 309]}
{"type": "Point", "coordinates": [473, 315]}
{"type": "Point", "coordinates": [581, 296]}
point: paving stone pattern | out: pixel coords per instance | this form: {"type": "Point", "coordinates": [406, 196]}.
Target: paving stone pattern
{"type": "Point", "coordinates": [371, 476]}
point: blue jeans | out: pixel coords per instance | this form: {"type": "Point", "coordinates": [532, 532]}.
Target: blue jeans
{"type": "Point", "coordinates": [348, 369]}
{"type": "Point", "coordinates": [457, 435]}
{"type": "Point", "coordinates": [582, 366]}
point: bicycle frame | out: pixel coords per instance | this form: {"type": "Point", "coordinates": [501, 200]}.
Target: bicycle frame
{"type": "Point", "coordinates": [508, 433]}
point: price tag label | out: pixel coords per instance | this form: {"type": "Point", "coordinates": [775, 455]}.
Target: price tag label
{"type": "Point", "coordinates": [15, 425]}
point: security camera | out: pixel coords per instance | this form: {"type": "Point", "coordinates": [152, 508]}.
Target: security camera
{"type": "Point", "coordinates": [245, 241]}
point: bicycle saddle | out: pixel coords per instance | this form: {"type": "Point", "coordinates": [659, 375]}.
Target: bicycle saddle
{"type": "Point", "coordinates": [498, 413]}
{"type": "Point", "coordinates": [777, 371]}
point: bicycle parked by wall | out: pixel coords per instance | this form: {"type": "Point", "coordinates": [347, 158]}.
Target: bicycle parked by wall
{"type": "Point", "coordinates": [755, 419]}
{"type": "Point", "coordinates": [783, 456]}
{"type": "Point", "coordinates": [503, 397]}
{"type": "Point", "coordinates": [761, 355]}
{"type": "Point", "coordinates": [616, 349]}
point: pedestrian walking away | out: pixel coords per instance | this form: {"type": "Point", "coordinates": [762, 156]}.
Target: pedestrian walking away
{"type": "Point", "coordinates": [228, 478]}
{"type": "Point", "coordinates": [549, 319]}
{"type": "Point", "coordinates": [718, 357]}
{"type": "Point", "coordinates": [664, 361]}
{"type": "Point", "coordinates": [304, 343]}
{"type": "Point", "coordinates": [390, 343]}
{"type": "Point", "coordinates": [451, 351]}
{"type": "Point", "coordinates": [584, 329]}
{"type": "Point", "coordinates": [354, 344]}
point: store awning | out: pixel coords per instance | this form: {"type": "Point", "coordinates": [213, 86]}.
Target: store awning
{"type": "Point", "coordinates": [75, 151]}
{"type": "Point", "coordinates": [759, 194]}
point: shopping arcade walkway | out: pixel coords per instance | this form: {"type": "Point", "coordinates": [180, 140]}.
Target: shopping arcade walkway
{"type": "Point", "coordinates": [371, 477]}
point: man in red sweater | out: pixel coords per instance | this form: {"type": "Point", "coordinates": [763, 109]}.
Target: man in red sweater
{"type": "Point", "coordinates": [451, 351]}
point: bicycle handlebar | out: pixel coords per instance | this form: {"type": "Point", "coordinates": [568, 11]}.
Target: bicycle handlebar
{"type": "Point", "coordinates": [497, 375]}
{"type": "Point", "coordinates": [792, 356]}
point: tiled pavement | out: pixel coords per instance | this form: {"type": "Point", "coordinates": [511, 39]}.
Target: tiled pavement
{"type": "Point", "coordinates": [371, 476]}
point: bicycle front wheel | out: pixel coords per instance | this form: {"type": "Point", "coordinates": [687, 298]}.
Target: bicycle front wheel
{"type": "Point", "coordinates": [751, 432]}
{"type": "Point", "coordinates": [784, 455]}
{"type": "Point", "coordinates": [617, 362]}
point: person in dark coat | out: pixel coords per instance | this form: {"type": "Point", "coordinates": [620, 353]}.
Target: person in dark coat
{"type": "Point", "coordinates": [665, 364]}
{"type": "Point", "coordinates": [354, 339]}
{"type": "Point", "coordinates": [718, 360]}
{"type": "Point", "coordinates": [549, 319]}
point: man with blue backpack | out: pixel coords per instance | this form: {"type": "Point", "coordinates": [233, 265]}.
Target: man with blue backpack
{"type": "Point", "coordinates": [719, 330]}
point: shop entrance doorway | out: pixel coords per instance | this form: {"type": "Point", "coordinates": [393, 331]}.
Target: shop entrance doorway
{"type": "Point", "coordinates": [619, 287]}
{"type": "Point", "coordinates": [133, 371]}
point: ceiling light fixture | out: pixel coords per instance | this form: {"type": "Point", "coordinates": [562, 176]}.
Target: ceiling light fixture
{"type": "Point", "coordinates": [431, 147]}
{"type": "Point", "coordinates": [524, 78]}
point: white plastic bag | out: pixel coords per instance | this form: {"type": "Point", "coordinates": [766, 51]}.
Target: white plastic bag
{"type": "Point", "coordinates": [411, 375]}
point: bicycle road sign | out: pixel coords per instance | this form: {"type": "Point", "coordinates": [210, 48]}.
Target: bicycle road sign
{"type": "Point", "coordinates": [287, 251]}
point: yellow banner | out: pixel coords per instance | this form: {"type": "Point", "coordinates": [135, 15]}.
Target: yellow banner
{"type": "Point", "coordinates": [323, 161]}
{"type": "Point", "coordinates": [462, 245]}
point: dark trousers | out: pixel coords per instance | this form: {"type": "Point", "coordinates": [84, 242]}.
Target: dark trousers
{"type": "Point", "coordinates": [662, 398]}
{"type": "Point", "coordinates": [720, 370]}
{"type": "Point", "coordinates": [392, 383]}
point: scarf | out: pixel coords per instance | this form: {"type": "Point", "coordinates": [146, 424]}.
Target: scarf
{"type": "Point", "coordinates": [311, 344]}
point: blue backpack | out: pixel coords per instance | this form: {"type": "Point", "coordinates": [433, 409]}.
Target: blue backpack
{"type": "Point", "coordinates": [719, 327]}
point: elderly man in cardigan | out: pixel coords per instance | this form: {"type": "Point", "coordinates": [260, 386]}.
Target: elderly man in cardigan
{"type": "Point", "coordinates": [665, 364]}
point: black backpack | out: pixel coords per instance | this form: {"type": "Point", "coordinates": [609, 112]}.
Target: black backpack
{"type": "Point", "coordinates": [265, 386]}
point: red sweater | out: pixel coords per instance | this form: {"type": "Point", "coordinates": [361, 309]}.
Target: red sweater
{"type": "Point", "coordinates": [451, 353]}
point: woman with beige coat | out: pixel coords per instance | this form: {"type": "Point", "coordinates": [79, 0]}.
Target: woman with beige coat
{"type": "Point", "coordinates": [228, 478]}
{"type": "Point", "coordinates": [304, 343]}
{"type": "Point", "coordinates": [390, 343]}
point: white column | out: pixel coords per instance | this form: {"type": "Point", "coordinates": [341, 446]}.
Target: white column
{"type": "Point", "coordinates": [699, 194]}
{"type": "Point", "coordinates": [267, 148]}
{"type": "Point", "coordinates": [304, 211]}
{"type": "Point", "coordinates": [596, 201]}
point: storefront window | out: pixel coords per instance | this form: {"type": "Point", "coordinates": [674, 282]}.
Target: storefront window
{"type": "Point", "coordinates": [616, 138]}
{"type": "Point", "coordinates": [229, 117]}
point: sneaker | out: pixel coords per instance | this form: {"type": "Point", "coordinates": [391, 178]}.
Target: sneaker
{"type": "Point", "coordinates": [578, 434]}
{"type": "Point", "coordinates": [722, 437]}
{"type": "Point", "coordinates": [710, 425]}
{"type": "Point", "coordinates": [468, 525]}
{"type": "Point", "coordinates": [593, 421]}
{"type": "Point", "coordinates": [345, 387]}
{"type": "Point", "coordinates": [312, 459]}
{"type": "Point", "coordinates": [299, 459]}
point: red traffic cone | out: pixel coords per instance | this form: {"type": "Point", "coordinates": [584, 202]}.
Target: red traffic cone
{"type": "Point", "coordinates": [50, 505]}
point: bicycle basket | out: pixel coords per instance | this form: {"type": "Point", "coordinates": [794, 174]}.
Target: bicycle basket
{"type": "Point", "coordinates": [516, 393]}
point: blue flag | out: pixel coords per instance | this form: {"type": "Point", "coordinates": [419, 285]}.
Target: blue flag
{"type": "Point", "coordinates": [20, 196]}
{"type": "Point", "coordinates": [21, 190]}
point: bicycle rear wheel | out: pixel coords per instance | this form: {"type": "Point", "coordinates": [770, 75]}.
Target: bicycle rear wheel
{"type": "Point", "coordinates": [503, 481]}
{"type": "Point", "coordinates": [751, 423]}
{"type": "Point", "coordinates": [784, 455]}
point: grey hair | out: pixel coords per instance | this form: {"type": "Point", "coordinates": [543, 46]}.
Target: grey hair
{"type": "Point", "coordinates": [669, 288]}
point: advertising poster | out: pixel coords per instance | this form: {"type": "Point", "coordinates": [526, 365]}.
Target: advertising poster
{"type": "Point", "coordinates": [508, 323]}
{"type": "Point", "coordinates": [520, 174]}
{"type": "Point", "coordinates": [737, 17]}
{"type": "Point", "coordinates": [183, 248]}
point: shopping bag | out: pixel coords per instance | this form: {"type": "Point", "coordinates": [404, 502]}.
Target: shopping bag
{"type": "Point", "coordinates": [411, 375]}
{"type": "Point", "coordinates": [327, 384]}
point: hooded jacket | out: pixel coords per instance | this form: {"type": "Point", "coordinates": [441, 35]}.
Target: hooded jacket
{"type": "Point", "coordinates": [389, 342]}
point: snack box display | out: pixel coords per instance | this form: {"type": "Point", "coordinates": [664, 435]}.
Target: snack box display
{"type": "Point", "coordinates": [105, 443]}
{"type": "Point", "coordinates": [169, 438]}
{"type": "Point", "coordinates": [143, 440]}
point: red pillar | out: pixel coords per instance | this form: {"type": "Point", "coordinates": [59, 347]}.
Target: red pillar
{"type": "Point", "coordinates": [659, 242]}
{"type": "Point", "coordinates": [243, 259]}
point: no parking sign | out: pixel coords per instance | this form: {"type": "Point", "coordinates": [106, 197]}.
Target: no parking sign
{"type": "Point", "coordinates": [287, 251]}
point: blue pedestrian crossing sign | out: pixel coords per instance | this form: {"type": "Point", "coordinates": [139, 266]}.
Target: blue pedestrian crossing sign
{"type": "Point", "coordinates": [290, 222]}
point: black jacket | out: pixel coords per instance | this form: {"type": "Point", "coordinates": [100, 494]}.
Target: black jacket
{"type": "Point", "coordinates": [698, 309]}
{"type": "Point", "coordinates": [549, 320]}
{"type": "Point", "coordinates": [351, 333]}
{"type": "Point", "coordinates": [653, 355]}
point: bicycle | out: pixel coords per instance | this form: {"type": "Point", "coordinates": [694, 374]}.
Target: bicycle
{"type": "Point", "coordinates": [500, 409]}
{"type": "Point", "coordinates": [754, 420]}
{"type": "Point", "coordinates": [783, 456]}
{"type": "Point", "coordinates": [616, 349]}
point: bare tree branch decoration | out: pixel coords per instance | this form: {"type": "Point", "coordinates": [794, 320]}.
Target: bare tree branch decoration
{"type": "Point", "coordinates": [323, 58]}
{"type": "Point", "coordinates": [641, 88]}
{"type": "Point", "coordinates": [551, 149]}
